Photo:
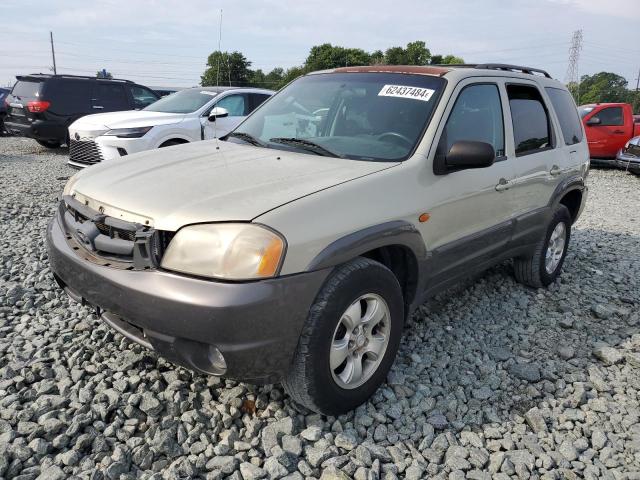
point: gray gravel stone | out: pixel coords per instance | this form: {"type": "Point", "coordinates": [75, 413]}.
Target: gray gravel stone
{"type": "Point", "coordinates": [482, 366]}
{"type": "Point", "coordinates": [608, 355]}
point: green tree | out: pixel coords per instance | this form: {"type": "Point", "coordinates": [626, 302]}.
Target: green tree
{"type": "Point", "coordinates": [325, 56]}
{"type": "Point", "coordinates": [376, 58]}
{"type": "Point", "coordinates": [417, 53]}
{"type": "Point", "coordinates": [601, 87]}
{"type": "Point", "coordinates": [395, 56]}
{"type": "Point", "coordinates": [224, 68]}
{"type": "Point", "coordinates": [447, 60]}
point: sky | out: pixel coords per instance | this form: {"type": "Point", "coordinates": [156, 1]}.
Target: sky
{"type": "Point", "coordinates": [166, 42]}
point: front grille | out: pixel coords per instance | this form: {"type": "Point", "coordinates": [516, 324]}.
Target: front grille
{"type": "Point", "coordinates": [86, 152]}
{"type": "Point", "coordinates": [113, 241]}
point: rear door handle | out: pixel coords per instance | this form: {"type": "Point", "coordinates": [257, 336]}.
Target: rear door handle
{"type": "Point", "coordinates": [503, 184]}
{"type": "Point", "coordinates": [555, 171]}
{"type": "Point", "coordinates": [99, 107]}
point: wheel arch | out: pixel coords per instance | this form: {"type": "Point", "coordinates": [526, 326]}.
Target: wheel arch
{"type": "Point", "coordinates": [398, 245]}
{"type": "Point", "coordinates": [570, 193]}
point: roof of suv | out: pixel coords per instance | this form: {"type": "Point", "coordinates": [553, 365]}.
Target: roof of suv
{"type": "Point", "coordinates": [48, 76]}
{"type": "Point", "coordinates": [444, 70]}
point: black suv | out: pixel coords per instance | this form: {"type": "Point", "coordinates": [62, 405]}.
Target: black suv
{"type": "Point", "coordinates": [42, 106]}
{"type": "Point", "coordinates": [3, 108]}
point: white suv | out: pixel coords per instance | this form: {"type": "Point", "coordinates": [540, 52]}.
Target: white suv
{"type": "Point", "coordinates": [295, 250]}
{"type": "Point", "coordinates": [189, 115]}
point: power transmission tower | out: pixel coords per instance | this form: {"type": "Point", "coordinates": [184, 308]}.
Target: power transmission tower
{"type": "Point", "coordinates": [574, 57]}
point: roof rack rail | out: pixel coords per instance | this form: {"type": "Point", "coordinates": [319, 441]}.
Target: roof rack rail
{"type": "Point", "coordinates": [512, 68]}
{"type": "Point", "coordinates": [64, 75]}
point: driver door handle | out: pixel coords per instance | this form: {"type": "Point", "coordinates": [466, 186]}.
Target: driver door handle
{"type": "Point", "coordinates": [618, 132]}
{"type": "Point", "coordinates": [555, 171]}
{"type": "Point", "coordinates": [503, 184]}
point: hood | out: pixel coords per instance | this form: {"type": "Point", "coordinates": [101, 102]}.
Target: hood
{"type": "Point", "coordinates": [209, 181]}
{"type": "Point", "coordinates": [127, 119]}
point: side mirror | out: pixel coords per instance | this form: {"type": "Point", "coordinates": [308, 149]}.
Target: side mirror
{"type": "Point", "coordinates": [218, 112]}
{"type": "Point", "coordinates": [467, 154]}
{"type": "Point", "coordinates": [594, 121]}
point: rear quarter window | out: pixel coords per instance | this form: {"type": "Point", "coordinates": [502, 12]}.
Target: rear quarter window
{"type": "Point", "coordinates": [567, 115]}
{"type": "Point", "coordinates": [68, 97]}
{"type": "Point", "coordinates": [26, 89]}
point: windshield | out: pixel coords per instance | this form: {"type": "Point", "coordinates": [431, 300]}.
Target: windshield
{"type": "Point", "coordinates": [369, 116]}
{"type": "Point", "coordinates": [584, 111]}
{"type": "Point", "coordinates": [184, 101]}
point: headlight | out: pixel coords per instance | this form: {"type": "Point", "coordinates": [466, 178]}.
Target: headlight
{"type": "Point", "coordinates": [128, 132]}
{"type": "Point", "coordinates": [233, 251]}
{"type": "Point", "coordinates": [68, 187]}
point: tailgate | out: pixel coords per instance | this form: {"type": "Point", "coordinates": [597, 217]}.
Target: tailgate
{"type": "Point", "coordinates": [24, 91]}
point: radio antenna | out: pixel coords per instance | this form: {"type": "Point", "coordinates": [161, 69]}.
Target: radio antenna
{"type": "Point", "coordinates": [215, 130]}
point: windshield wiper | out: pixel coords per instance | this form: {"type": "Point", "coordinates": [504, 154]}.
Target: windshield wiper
{"type": "Point", "coordinates": [306, 145]}
{"type": "Point", "coordinates": [247, 138]}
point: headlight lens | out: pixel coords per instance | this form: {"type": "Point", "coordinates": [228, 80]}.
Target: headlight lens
{"type": "Point", "coordinates": [128, 132]}
{"type": "Point", "coordinates": [233, 251]}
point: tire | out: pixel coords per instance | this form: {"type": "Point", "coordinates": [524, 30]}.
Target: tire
{"type": "Point", "coordinates": [49, 143]}
{"type": "Point", "coordinates": [532, 271]}
{"type": "Point", "coordinates": [311, 381]}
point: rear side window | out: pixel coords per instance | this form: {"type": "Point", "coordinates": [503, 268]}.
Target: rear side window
{"type": "Point", "coordinates": [610, 117]}
{"type": "Point", "coordinates": [68, 97]}
{"type": "Point", "coordinates": [567, 115]}
{"type": "Point", "coordinates": [255, 100]}
{"type": "Point", "coordinates": [109, 97]}
{"type": "Point", "coordinates": [26, 89]}
{"type": "Point", "coordinates": [476, 116]}
{"type": "Point", "coordinates": [531, 127]}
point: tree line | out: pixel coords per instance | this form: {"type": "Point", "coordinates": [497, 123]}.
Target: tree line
{"type": "Point", "coordinates": [604, 87]}
{"type": "Point", "coordinates": [234, 69]}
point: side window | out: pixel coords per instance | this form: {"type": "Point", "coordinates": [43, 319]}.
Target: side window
{"type": "Point", "coordinates": [567, 115]}
{"type": "Point", "coordinates": [235, 104]}
{"type": "Point", "coordinates": [68, 97]}
{"type": "Point", "coordinates": [531, 126]}
{"type": "Point", "coordinates": [110, 97]}
{"type": "Point", "coordinates": [142, 96]}
{"type": "Point", "coordinates": [476, 116]}
{"type": "Point", "coordinates": [255, 100]}
{"type": "Point", "coordinates": [610, 117]}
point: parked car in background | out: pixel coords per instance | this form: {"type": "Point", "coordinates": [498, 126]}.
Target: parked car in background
{"type": "Point", "coordinates": [42, 106]}
{"type": "Point", "coordinates": [628, 157]}
{"type": "Point", "coordinates": [609, 126]}
{"type": "Point", "coordinates": [164, 91]}
{"type": "Point", "coordinates": [3, 108]}
{"type": "Point", "coordinates": [295, 250]}
{"type": "Point", "coordinates": [186, 116]}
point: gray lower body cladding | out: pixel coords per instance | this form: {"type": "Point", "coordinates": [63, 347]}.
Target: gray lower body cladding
{"type": "Point", "coordinates": [255, 325]}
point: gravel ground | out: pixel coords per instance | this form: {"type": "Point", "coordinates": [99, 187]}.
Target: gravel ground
{"type": "Point", "coordinates": [493, 380]}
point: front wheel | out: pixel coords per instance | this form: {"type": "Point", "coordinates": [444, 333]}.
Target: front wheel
{"type": "Point", "coordinates": [350, 339]}
{"type": "Point", "coordinates": [544, 266]}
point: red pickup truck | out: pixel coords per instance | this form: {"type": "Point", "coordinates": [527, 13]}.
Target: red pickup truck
{"type": "Point", "coordinates": [609, 127]}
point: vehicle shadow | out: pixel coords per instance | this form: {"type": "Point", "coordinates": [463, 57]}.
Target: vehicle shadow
{"type": "Point", "coordinates": [490, 348]}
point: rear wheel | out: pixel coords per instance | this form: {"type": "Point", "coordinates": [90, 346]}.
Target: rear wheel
{"type": "Point", "coordinates": [544, 266]}
{"type": "Point", "coordinates": [49, 143]}
{"type": "Point", "coordinates": [349, 340]}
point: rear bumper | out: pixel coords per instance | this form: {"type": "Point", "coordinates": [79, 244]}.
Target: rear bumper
{"type": "Point", "coordinates": [38, 130]}
{"type": "Point", "coordinates": [254, 325]}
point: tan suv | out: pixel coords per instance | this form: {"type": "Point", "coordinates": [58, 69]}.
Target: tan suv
{"type": "Point", "coordinates": [295, 249]}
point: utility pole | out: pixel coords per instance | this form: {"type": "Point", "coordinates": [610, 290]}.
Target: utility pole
{"type": "Point", "coordinates": [638, 81]}
{"type": "Point", "coordinates": [574, 57]}
{"type": "Point", "coordinates": [53, 54]}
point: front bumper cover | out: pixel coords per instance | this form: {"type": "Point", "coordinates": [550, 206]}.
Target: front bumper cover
{"type": "Point", "coordinates": [628, 162]}
{"type": "Point", "coordinates": [255, 325]}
